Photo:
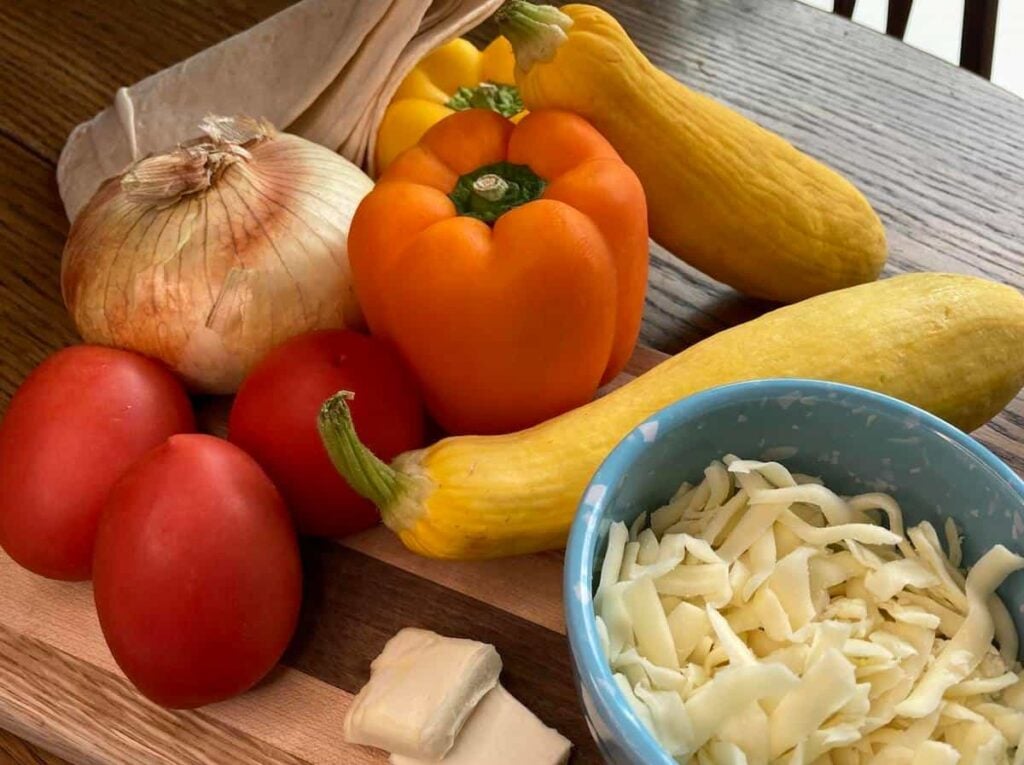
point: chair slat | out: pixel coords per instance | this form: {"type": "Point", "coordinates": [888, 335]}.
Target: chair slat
{"type": "Point", "coordinates": [899, 14]}
{"type": "Point", "coordinates": [844, 8]}
{"type": "Point", "coordinates": [978, 37]}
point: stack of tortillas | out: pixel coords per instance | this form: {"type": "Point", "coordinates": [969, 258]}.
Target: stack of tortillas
{"type": "Point", "coordinates": [323, 69]}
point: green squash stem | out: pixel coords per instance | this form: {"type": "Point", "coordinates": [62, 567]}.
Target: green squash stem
{"type": "Point", "coordinates": [535, 31]}
{"type": "Point", "coordinates": [369, 476]}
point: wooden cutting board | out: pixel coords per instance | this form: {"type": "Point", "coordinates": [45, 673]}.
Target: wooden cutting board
{"type": "Point", "coordinates": [60, 687]}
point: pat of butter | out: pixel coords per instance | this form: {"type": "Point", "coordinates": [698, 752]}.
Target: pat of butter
{"type": "Point", "coordinates": [422, 689]}
{"type": "Point", "coordinates": [502, 732]}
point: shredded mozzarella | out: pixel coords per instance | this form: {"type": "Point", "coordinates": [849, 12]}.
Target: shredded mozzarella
{"type": "Point", "coordinates": [761, 619]}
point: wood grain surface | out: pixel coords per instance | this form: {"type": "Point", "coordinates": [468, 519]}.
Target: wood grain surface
{"type": "Point", "coordinates": [935, 148]}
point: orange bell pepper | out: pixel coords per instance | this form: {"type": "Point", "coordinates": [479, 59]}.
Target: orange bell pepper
{"type": "Point", "coordinates": [508, 264]}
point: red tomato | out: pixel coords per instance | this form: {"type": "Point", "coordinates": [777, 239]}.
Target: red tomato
{"type": "Point", "coordinates": [74, 426]}
{"type": "Point", "coordinates": [196, 575]}
{"type": "Point", "coordinates": [274, 419]}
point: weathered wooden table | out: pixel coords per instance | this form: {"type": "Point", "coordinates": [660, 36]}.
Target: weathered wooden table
{"type": "Point", "coordinates": [936, 149]}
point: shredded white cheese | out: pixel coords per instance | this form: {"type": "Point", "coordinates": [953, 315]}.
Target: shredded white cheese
{"type": "Point", "coordinates": [761, 618]}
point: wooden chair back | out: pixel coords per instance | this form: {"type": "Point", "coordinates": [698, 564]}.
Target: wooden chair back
{"type": "Point", "coordinates": [976, 40]}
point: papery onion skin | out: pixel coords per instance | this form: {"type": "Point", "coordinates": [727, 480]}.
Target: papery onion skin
{"type": "Point", "coordinates": [209, 280]}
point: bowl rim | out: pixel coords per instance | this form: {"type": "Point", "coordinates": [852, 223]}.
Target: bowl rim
{"type": "Point", "coordinates": [589, 662]}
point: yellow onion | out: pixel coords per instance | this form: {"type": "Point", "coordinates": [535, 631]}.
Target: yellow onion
{"type": "Point", "coordinates": [208, 256]}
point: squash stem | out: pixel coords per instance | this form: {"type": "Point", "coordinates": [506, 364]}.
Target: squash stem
{"type": "Point", "coordinates": [369, 476]}
{"type": "Point", "coordinates": [535, 31]}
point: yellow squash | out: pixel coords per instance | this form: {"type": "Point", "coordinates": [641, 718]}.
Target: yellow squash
{"type": "Point", "coordinates": [724, 194]}
{"type": "Point", "coordinates": [450, 78]}
{"type": "Point", "coordinates": [949, 344]}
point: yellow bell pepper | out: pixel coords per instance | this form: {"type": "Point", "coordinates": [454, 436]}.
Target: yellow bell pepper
{"type": "Point", "coordinates": [453, 77]}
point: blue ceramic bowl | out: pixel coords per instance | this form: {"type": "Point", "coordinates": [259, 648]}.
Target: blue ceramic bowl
{"type": "Point", "coordinates": [856, 440]}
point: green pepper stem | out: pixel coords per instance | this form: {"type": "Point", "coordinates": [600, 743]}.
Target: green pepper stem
{"type": "Point", "coordinates": [535, 31]}
{"type": "Point", "coordinates": [497, 96]}
{"type": "Point", "coordinates": [490, 191]}
{"type": "Point", "coordinates": [491, 187]}
{"type": "Point", "coordinates": [369, 476]}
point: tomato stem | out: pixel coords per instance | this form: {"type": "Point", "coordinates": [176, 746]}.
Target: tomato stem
{"type": "Point", "coordinates": [368, 475]}
{"type": "Point", "coordinates": [535, 31]}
